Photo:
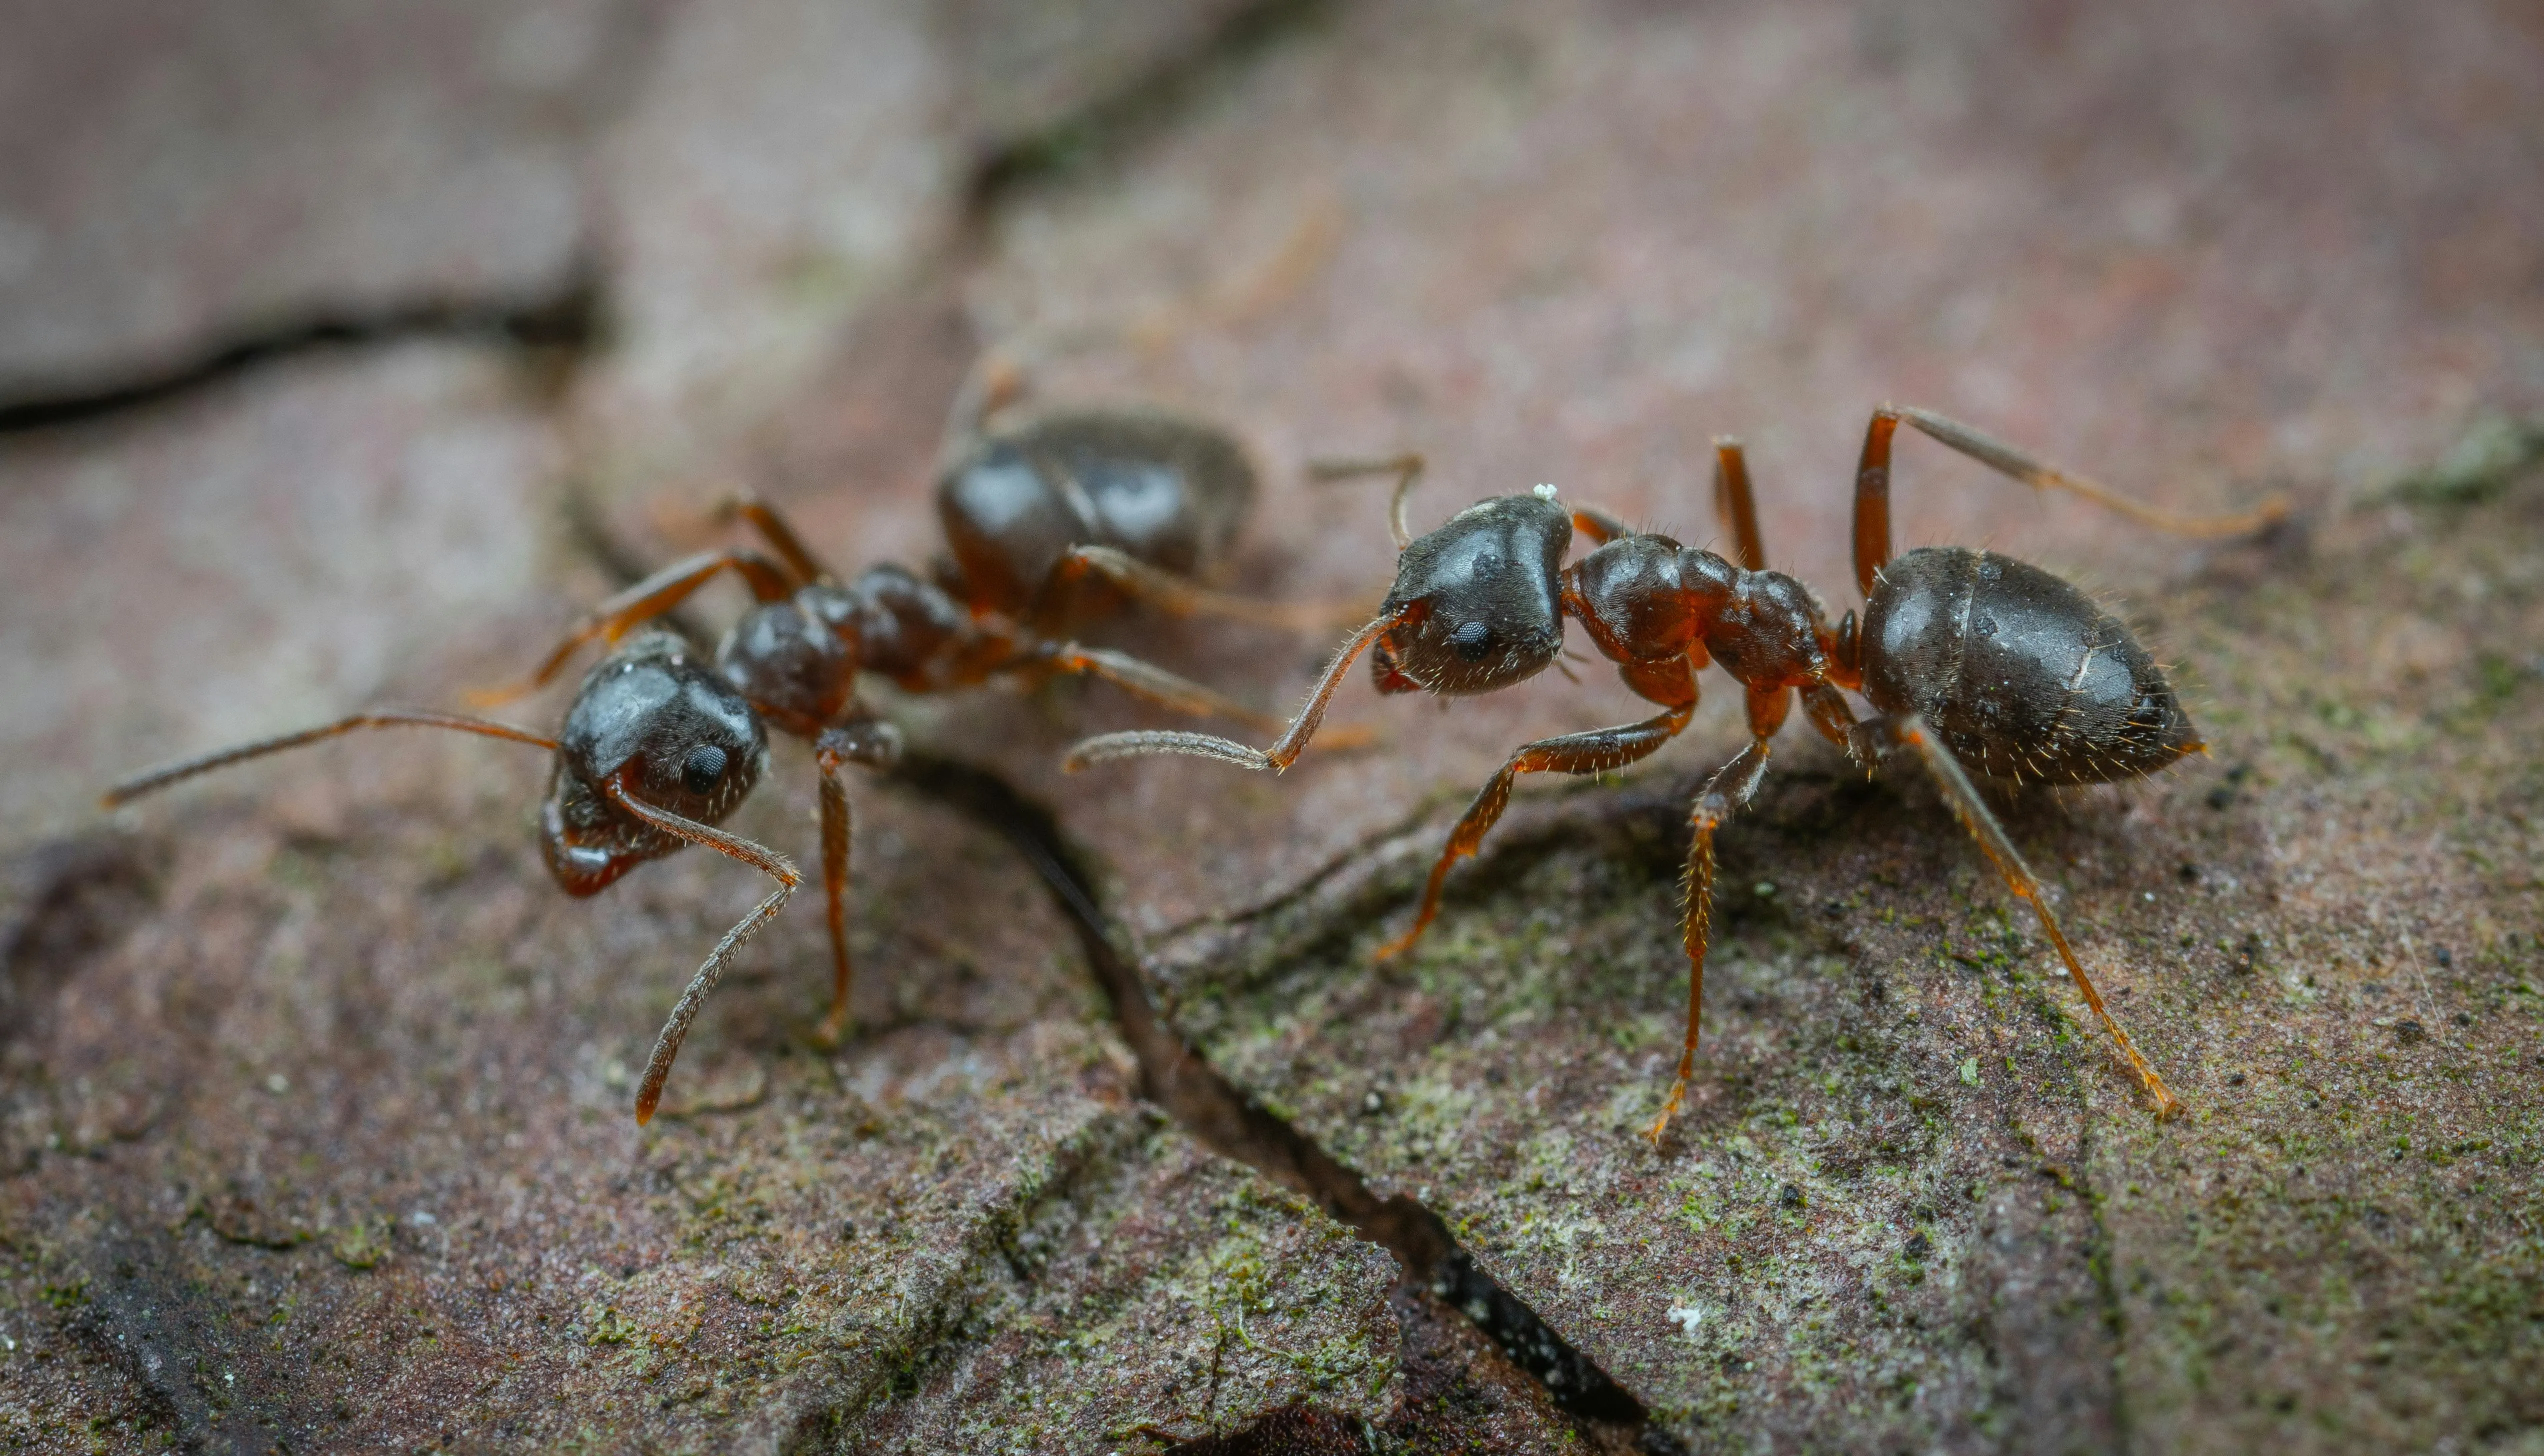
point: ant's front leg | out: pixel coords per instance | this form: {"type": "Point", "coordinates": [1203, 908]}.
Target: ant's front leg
{"type": "Point", "coordinates": [876, 744]}
{"type": "Point", "coordinates": [1593, 752]}
{"type": "Point", "coordinates": [648, 599]}
{"type": "Point", "coordinates": [778, 531]}
{"type": "Point", "coordinates": [1727, 794]}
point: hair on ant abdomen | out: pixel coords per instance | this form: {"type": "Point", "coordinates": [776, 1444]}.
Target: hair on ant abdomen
{"type": "Point", "coordinates": [1976, 662]}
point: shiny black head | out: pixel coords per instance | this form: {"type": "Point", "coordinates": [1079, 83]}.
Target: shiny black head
{"type": "Point", "coordinates": [671, 733]}
{"type": "Point", "coordinates": [1483, 597]}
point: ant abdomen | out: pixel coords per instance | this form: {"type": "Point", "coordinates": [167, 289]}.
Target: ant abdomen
{"type": "Point", "coordinates": [2023, 675]}
{"type": "Point", "coordinates": [1161, 490]}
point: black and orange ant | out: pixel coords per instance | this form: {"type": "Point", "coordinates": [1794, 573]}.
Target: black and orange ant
{"type": "Point", "coordinates": [1052, 518]}
{"type": "Point", "coordinates": [1967, 656]}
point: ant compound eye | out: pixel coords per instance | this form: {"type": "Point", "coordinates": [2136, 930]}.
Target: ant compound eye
{"type": "Point", "coordinates": [1473, 640]}
{"type": "Point", "coordinates": [702, 768]}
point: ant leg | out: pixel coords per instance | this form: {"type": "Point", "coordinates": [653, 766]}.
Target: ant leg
{"type": "Point", "coordinates": [1407, 469]}
{"type": "Point", "coordinates": [1873, 501]}
{"type": "Point", "coordinates": [1148, 682]}
{"type": "Point", "coordinates": [1176, 595]}
{"type": "Point", "coordinates": [1283, 752]}
{"type": "Point", "coordinates": [648, 1092]}
{"type": "Point", "coordinates": [1872, 487]}
{"type": "Point", "coordinates": [1829, 713]}
{"type": "Point", "coordinates": [646, 600]}
{"type": "Point", "coordinates": [153, 780]}
{"type": "Point", "coordinates": [1975, 817]}
{"type": "Point", "coordinates": [1595, 751]}
{"type": "Point", "coordinates": [778, 531]}
{"type": "Point", "coordinates": [876, 744]}
{"type": "Point", "coordinates": [1726, 794]}
{"type": "Point", "coordinates": [1733, 503]}
{"type": "Point", "coordinates": [1599, 525]}
{"type": "Point", "coordinates": [2024, 467]}
{"type": "Point", "coordinates": [997, 379]}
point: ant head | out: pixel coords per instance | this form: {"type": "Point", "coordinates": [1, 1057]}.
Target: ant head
{"type": "Point", "coordinates": [666, 730]}
{"type": "Point", "coordinates": [1479, 598]}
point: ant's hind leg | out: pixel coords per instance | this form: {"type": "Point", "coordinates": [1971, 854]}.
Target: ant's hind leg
{"type": "Point", "coordinates": [1148, 683]}
{"type": "Point", "coordinates": [1178, 596]}
{"type": "Point", "coordinates": [1727, 794]}
{"type": "Point", "coordinates": [1593, 752]}
{"type": "Point", "coordinates": [876, 744]}
{"type": "Point", "coordinates": [1975, 817]}
{"type": "Point", "coordinates": [647, 599]}
{"type": "Point", "coordinates": [1872, 487]}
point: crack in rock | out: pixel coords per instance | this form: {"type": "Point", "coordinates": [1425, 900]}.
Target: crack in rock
{"type": "Point", "coordinates": [1222, 1118]}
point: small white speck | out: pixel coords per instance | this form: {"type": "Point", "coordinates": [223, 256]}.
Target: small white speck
{"type": "Point", "coordinates": [420, 1218]}
{"type": "Point", "coordinates": [1687, 1317]}
{"type": "Point", "coordinates": [277, 1084]}
{"type": "Point", "coordinates": [1546, 492]}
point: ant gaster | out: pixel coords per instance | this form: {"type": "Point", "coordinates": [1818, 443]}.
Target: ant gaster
{"type": "Point", "coordinates": [1052, 519]}
{"type": "Point", "coordinates": [1979, 663]}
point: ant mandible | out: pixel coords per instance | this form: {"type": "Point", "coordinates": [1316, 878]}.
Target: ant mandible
{"type": "Point", "coordinates": [1967, 656]}
{"type": "Point", "coordinates": [1050, 519]}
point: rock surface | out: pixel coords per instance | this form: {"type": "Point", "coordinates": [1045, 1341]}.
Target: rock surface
{"type": "Point", "coordinates": [313, 1091]}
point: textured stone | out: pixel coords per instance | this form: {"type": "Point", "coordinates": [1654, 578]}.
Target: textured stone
{"type": "Point", "coordinates": [313, 1098]}
{"type": "Point", "coordinates": [275, 554]}
{"type": "Point", "coordinates": [173, 175]}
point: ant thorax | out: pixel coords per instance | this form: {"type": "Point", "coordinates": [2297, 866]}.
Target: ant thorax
{"type": "Point", "coordinates": [1645, 598]}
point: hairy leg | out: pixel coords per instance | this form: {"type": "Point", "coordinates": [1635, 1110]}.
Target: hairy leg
{"type": "Point", "coordinates": [1963, 798]}
{"type": "Point", "coordinates": [648, 599]}
{"type": "Point", "coordinates": [876, 744]}
{"type": "Point", "coordinates": [1726, 794]}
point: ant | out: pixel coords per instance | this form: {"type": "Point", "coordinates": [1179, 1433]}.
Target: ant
{"type": "Point", "coordinates": [1052, 519]}
{"type": "Point", "coordinates": [1981, 663]}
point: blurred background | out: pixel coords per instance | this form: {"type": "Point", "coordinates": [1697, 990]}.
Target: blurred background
{"type": "Point", "coordinates": [348, 349]}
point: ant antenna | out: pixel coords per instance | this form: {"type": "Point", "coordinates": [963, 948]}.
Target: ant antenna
{"type": "Point", "coordinates": [667, 1045]}
{"type": "Point", "coordinates": [1408, 469]}
{"type": "Point", "coordinates": [151, 781]}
